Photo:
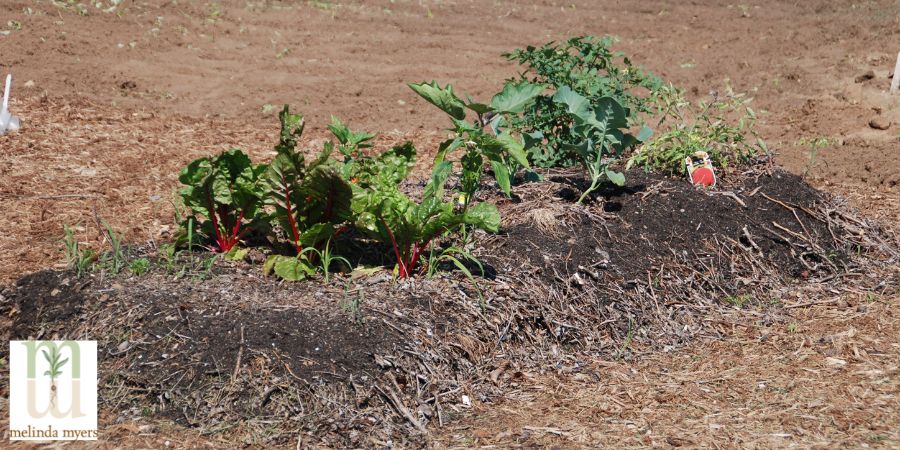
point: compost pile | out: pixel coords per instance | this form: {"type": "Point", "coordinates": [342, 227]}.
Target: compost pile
{"type": "Point", "coordinates": [367, 360]}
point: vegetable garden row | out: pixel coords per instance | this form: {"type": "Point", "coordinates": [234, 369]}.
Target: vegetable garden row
{"type": "Point", "coordinates": [575, 104]}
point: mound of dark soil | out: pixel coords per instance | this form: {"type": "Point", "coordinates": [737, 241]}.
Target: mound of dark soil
{"type": "Point", "coordinates": [654, 219]}
{"type": "Point", "coordinates": [368, 361]}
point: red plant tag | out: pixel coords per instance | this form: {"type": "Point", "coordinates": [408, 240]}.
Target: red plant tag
{"type": "Point", "coordinates": [701, 172]}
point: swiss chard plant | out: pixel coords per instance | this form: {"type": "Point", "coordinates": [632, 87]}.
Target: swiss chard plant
{"type": "Point", "coordinates": [309, 201]}
{"type": "Point", "coordinates": [589, 67]}
{"type": "Point", "coordinates": [225, 192]}
{"type": "Point", "coordinates": [388, 215]}
{"type": "Point", "coordinates": [504, 151]}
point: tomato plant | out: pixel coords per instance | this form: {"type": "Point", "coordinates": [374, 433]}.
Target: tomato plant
{"type": "Point", "coordinates": [723, 127]}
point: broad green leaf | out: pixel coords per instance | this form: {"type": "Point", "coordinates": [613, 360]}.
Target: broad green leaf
{"type": "Point", "coordinates": [514, 148]}
{"type": "Point", "coordinates": [435, 188]}
{"type": "Point", "coordinates": [616, 177]}
{"type": "Point", "coordinates": [644, 134]}
{"type": "Point", "coordinates": [289, 268]}
{"type": "Point", "coordinates": [576, 104]}
{"type": "Point", "coordinates": [501, 174]}
{"type": "Point", "coordinates": [328, 196]}
{"type": "Point", "coordinates": [479, 108]}
{"type": "Point", "coordinates": [484, 216]}
{"type": "Point", "coordinates": [316, 233]}
{"type": "Point", "coordinates": [584, 149]}
{"type": "Point", "coordinates": [609, 114]}
{"type": "Point", "coordinates": [443, 98]}
{"type": "Point", "coordinates": [515, 97]}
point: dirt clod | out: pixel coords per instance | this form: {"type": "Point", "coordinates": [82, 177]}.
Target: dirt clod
{"type": "Point", "coordinates": [879, 123]}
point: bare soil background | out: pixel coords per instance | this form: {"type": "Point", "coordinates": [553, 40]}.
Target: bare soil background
{"type": "Point", "coordinates": [116, 103]}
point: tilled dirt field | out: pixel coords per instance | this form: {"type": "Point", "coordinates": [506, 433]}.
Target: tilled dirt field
{"type": "Point", "coordinates": [115, 103]}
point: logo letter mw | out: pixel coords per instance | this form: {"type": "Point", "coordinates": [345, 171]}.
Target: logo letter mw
{"type": "Point", "coordinates": [54, 370]}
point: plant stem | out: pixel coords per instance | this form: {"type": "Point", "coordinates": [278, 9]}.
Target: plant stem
{"type": "Point", "coordinates": [402, 267]}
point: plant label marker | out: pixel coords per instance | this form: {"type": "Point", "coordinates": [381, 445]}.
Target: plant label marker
{"type": "Point", "coordinates": [7, 120]}
{"type": "Point", "coordinates": [701, 172]}
{"type": "Point", "coordinates": [895, 82]}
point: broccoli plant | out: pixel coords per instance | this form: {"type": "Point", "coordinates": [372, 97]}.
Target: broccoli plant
{"type": "Point", "coordinates": [226, 191]}
{"type": "Point", "coordinates": [388, 215]}
{"type": "Point", "coordinates": [590, 68]}
{"type": "Point", "coordinates": [505, 152]}
{"type": "Point", "coordinates": [597, 128]}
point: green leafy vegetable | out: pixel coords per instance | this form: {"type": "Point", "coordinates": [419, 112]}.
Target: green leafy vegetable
{"type": "Point", "coordinates": [226, 192]}
{"type": "Point", "coordinates": [390, 216]}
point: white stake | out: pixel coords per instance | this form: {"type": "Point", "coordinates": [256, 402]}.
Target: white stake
{"type": "Point", "coordinates": [7, 120]}
{"type": "Point", "coordinates": [6, 92]}
{"type": "Point", "coordinates": [895, 83]}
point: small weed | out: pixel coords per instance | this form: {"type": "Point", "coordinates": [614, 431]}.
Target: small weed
{"type": "Point", "coordinates": [284, 52]}
{"type": "Point", "coordinates": [352, 305]}
{"type": "Point", "coordinates": [78, 259]}
{"type": "Point", "coordinates": [207, 266]}
{"type": "Point", "coordinates": [114, 259]}
{"type": "Point", "coordinates": [793, 327]}
{"type": "Point", "coordinates": [139, 266]}
{"type": "Point", "coordinates": [167, 254]}
{"type": "Point", "coordinates": [738, 301]}
{"type": "Point", "coordinates": [326, 258]}
{"type": "Point", "coordinates": [815, 144]}
{"type": "Point", "coordinates": [626, 344]}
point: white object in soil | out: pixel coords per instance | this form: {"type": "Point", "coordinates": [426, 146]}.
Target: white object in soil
{"type": "Point", "coordinates": [895, 83]}
{"type": "Point", "coordinates": [7, 121]}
